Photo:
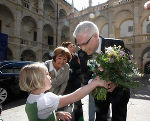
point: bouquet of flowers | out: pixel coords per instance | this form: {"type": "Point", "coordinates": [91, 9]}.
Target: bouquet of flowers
{"type": "Point", "coordinates": [114, 65]}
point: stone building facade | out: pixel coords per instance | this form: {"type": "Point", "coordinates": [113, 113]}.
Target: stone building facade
{"type": "Point", "coordinates": [31, 26]}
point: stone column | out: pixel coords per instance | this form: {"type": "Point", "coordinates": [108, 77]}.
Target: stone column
{"type": "Point", "coordinates": [59, 37]}
{"type": "Point", "coordinates": [17, 52]}
{"type": "Point", "coordinates": [110, 25]}
{"type": "Point", "coordinates": [136, 15]}
{"type": "Point", "coordinates": [138, 59]}
{"type": "Point", "coordinates": [136, 22]}
{"type": "Point", "coordinates": [39, 39]}
{"type": "Point", "coordinates": [39, 30]}
{"type": "Point", "coordinates": [71, 34]}
{"type": "Point", "coordinates": [39, 54]}
{"type": "Point", "coordinates": [17, 25]}
{"type": "Point", "coordinates": [40, 7]}
{"type": "Point", "coordinates": [54, 33]}
{"type": "Point", "coordinates": [17, 35]}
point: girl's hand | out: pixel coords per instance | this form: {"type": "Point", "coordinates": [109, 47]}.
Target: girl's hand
{"type": "Point", "coordinates": [65, 116]}
{"type": "Point", "coordinates": [101, 83]}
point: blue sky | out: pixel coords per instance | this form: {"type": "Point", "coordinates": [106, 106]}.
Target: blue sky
{"type": "Point", "coordinates": [79, 4]}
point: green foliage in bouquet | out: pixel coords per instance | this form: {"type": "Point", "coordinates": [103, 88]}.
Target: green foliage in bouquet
{"type": "Point", "coordinates": [116, 66]}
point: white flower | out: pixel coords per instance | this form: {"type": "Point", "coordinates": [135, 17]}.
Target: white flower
{"type": "Point", "coordinates": [109, 49]}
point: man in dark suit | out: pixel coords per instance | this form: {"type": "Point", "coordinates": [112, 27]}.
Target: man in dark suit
{"type": "Point", "coordinates": [87, 38]}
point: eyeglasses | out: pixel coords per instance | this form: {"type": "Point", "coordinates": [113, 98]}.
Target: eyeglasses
{"type": "Point", "coordinates": [83, 43]}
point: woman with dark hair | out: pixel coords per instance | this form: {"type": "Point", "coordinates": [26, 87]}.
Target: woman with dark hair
{"type": "Point", "coordinates": [59, 69]}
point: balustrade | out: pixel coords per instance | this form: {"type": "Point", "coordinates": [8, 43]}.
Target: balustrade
{"type": "Point", "coordinates": [146, 37]}
{"type": "Point", "coordinates": [121, 2]}
{"type": "Point", "coordinates": [101, 7]}
{"type": "Point", "coordinates": [48, 47]}
{"type": "Point", "coordinates": [136, 39]}
{"type": "Point", "coordinates": [24, 42]}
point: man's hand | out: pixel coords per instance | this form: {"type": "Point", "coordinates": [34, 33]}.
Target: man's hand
{"type": "Point", "coordinates": [65, 116]}
{"type": "Point", "coordinates": [111, 87]}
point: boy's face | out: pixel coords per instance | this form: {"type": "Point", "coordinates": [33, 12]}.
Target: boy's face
{"type": "Point", "coordinates": [47, 80]}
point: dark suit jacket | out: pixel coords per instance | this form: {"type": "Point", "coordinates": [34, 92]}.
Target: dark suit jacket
{"type": "Point", "coordinates": [74, 65]}
{"type": "Point", "coordinates": [106, 42]}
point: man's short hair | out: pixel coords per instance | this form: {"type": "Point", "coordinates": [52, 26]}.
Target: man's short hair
{"type": "Point", "coordinates": [86, 26]}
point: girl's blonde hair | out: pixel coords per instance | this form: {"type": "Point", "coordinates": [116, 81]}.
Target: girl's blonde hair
{"type": "Point", "coordinates": [32, 76]}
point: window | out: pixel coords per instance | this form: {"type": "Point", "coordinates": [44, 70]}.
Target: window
{"type": "Point", "coordinates": [148, 28]}
{"type": "Point", "coordinates": [50, 40]}
{"type": "Point", "coordinates": [130, 28]}
{"type": "Point", "coordinates": [35, 36]}
{"type": "Point", "coordinates": [26, 3]}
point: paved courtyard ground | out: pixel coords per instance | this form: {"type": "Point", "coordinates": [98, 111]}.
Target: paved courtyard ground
{"type": "Point", "coordinates": [138, 106]}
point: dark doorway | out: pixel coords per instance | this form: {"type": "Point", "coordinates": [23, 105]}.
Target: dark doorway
{"type": "Point", "coordinates": [50, 40]}
{"type": "Point", "coordinates": [147, 68]}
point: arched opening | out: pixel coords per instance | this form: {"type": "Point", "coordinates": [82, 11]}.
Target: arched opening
{"type": "Point", "coordinates": [28, 55]}
{"type": "Point", "coordinates": [147, 68]}
{"type": "Point", "coordinates": [48, 35]}
{"type": "Point", "coordinates": [6, 21]}
{"type": "Point", "coordinates": [126, 28]}
{"type": "Point", "coordinates": [29, 29]}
